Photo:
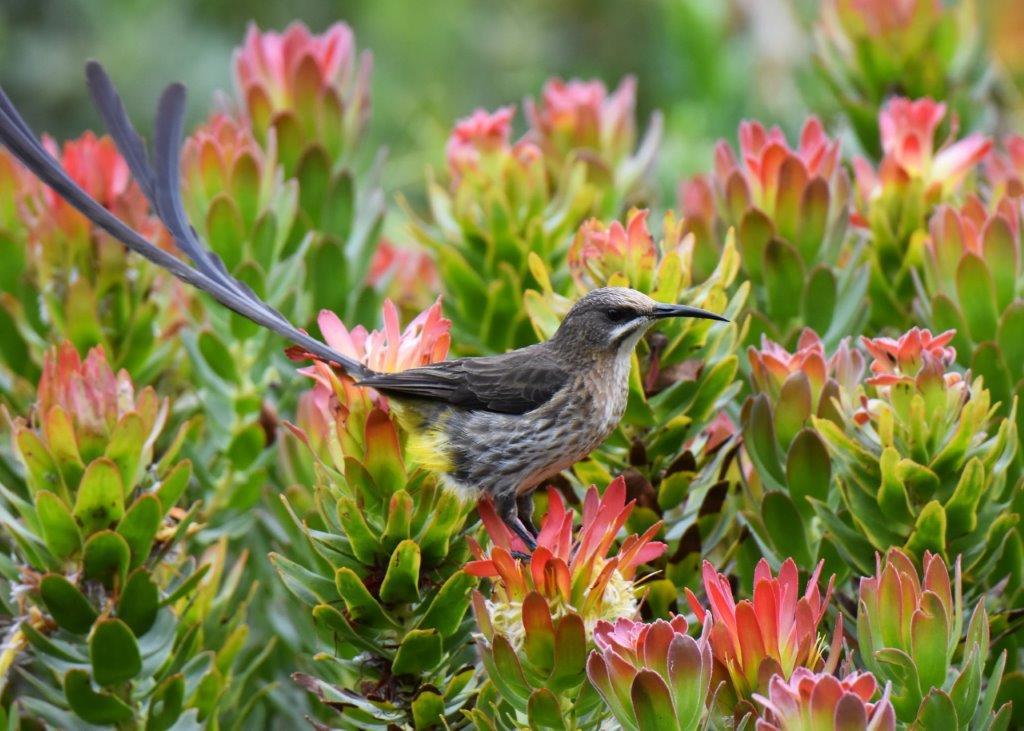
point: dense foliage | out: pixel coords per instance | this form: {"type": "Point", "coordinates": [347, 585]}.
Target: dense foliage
{"type": "Point", "coordinates": [808, 518]}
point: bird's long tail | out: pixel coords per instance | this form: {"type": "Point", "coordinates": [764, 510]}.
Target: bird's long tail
{"type": "Point", "coordinates": [160, 183]}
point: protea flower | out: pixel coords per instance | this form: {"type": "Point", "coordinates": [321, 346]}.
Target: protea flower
{"type": "Point", "coordinates": [775, 633]}
{"type": "Point", "coordinates": [869, 48]}
{"type": "Point", "coordinates": [540, 612]}
{"type": "Point", "coordinates": [98, 585]}
{"type": "Point", "coordinates": [894, 202]}
{"type": "Point", "coordinates": [652, 675]}
{"type": "Point", "coordinates": [921, 461]}
{"type": "Point", "coordinates": [579, 121]}
{"type": "Point", "coordinates": [811, 701]}
{"type": "Point", "coordinates": [1005, 168]}
{"type": "Point", "coordinates": [920, 617]}
{"type": "Point", "coordinates": [788, 206]}
{"type": "Point", "coordinates": [972, 282]}
{"type": "Point", "coordinates": [305, 85]}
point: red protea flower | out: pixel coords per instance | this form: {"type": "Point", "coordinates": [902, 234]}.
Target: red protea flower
{"type": "Point", "coordinates": [652, 675]}
{"type": "Point", "coordinates": [481, 144]}
{"type": "Point", "coordinates": [811, 701]}
{"type": "Point", "coordinates": [776, 632]}
{"type": "Point", "coordinates": [571, 570]}
{"type": "Point", "coordinates": [407, 273]}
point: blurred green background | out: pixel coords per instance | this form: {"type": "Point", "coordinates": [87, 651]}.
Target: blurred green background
{"type": "Point", "coordinates": [705, 63]}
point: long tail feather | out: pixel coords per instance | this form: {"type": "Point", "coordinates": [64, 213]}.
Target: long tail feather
{"type": "Point", "coordinates": [160, 183]}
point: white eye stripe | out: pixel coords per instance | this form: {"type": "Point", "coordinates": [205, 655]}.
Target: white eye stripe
{"type": "Point", "coordinates": [626, 327]}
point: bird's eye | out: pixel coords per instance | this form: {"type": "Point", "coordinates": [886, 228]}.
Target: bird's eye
{"type": "Point", "coordinates": [619, 314]}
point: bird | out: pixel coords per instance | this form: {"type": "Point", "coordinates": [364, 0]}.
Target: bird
{"type": "Point", "coordinates": [492, 427]}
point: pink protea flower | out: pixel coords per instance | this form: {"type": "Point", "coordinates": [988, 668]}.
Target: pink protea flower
{"type": "Point", "coordinates": [902, 359]}
{"type": "Point", "coordinates": [582, 115]}
{"type": "Point", "coordinates": [600, 253]}
{"type": "Point", "coordinates": [907, 130]}
{"type": "Point", "coordinates": [482, 143]}
{"type": "Point", "coordinates": [571, 570]}
{"type": "Point", "coordinates": [315, 79]}
{"type": "Point", "coordinates": [772, 365]}
{"type": "Point", "coordinates": [221, 150]}
{"type": "Point", "coordinates": [879, 19]}
{"type": "Point", "coordinates": [811, 701]}
{"type": "Point", "coordinates": [763, 154]}
{"type": "Point", "coordinates": [648, 670]}
{"type": "Point", "coordinates": [776, 632]}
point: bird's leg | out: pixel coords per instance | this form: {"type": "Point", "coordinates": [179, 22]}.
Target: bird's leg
{"type": "Point", "coordinates": [524, 509]}
{"type": "Point", "coordinates": [507, 509]}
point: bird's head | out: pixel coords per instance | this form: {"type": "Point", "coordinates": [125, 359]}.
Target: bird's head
{"type": "Point", "coordinates": [613, 319]}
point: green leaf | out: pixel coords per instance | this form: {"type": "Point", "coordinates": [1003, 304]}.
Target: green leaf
{"type": "Point", "coordinates": [218, 357]}
{"type": "Point", "coordinates": [759, 438]}
{"type": "Point", "coordinates": [139, 525]}
{"type": "Point", "coordinates": [793, 408]}
{"type": "Point", "coordinates": [226, 231]}
{"type": "Point", "coordinates": [427, 709]}
{"type": "Point", "coordinates": [100, 499]}
{"type": "Point", "coordinates": [1011, 337]}
{"type": "Point", "coordinates": [962, 506]}
{"type": "Point", "coordinates": [173, 485]}
{"type": "Point", "coordinates": [819, 299]}
{"type": "Point", "coordinates": [808, 471]}
{"type": "Point", "coordinates": [114, 653]}
{"type": "Point", "coordinates": [166, 704]}
{"type": "Point", "coordinates": [66, 604]}
{"type": "Point", "coordinates": [247, 445]}
{"type": "Point", "coordinates": [652, 702]}
{"type": "Point", "coordinates": [449, 605]}
{"type": "Point", "coordinates": [937, 713]}
{"type": "Point", "coordinates": [544, 710]}
{"type": "Point", "coordinates": [570, 654]}
{"type": "Point", "coordinates": [361, 604]}
{"type": "Point", "coordinates": [126, 446]}
{"type": "Point", "coordinates": [92, 707]}
{"type": "Point", "coordinates": [785, 527]}
{"type": "Point", "coordinates": [60, 532]}
{"type": "Point", "coordinates": [401, 581]}
{"type": "Point", "coordinates": [783, 280]}
{"type": "Point", "coordinates": [419, 652]}
{"type": "Point", "coordinates": [976, 293]}
{"type": "Point", "coordinates": [929, 531]}
{"type": "Point", "coordinates": [139, 601]}
{"type": "Point", "coordinates": [105, 558]}
{"type": "Point", "coordinates": [755, 231]}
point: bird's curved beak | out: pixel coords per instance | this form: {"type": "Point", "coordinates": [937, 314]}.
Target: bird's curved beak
{"type": "Point", "coordinates": [662, 311]}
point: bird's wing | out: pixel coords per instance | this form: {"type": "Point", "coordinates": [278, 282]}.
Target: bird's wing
{"type": "Point", "coordinates": [159, 180]}
{"type": "Point", "coordinates": [513, 383]}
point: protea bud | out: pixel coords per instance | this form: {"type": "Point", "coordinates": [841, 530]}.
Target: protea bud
{"type": "Point", "coordinates": [919, 620]}
{"type": "Point", "coordinates": [1004, 168]}
{"type": "Point", "coordinates": [811, 701]}
{"type": "Point", "coordinates": [406, 274]}
{"type": "Point", "coordinates": [500, 211]}
{"type": "Point", "coordinates": [788, 207]}
{"type": "Point", "coordinates": [775, 633]}
{"type": "Point", "coordinates": [973, 284]}
{"type": "Point", "coordinates": [894, 202]}
{"type": "Point", "coordinates": [305, 87]}
{"type": "Point", "coordinates": [103, 592]}
{"type": "Point", "coordinates": [869, 48]}
{"type": "Point", "coordinates": [536, 623]}
{"type": "Point", "coordinates": [579, 121]}
{"type": "Point", "coordinates": [652, 675]}
{"type": "Point", "coordinates": [921, 461]}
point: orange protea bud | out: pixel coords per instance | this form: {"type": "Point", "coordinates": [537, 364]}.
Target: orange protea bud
{"type": "Point", "coordinates": [902, 359]}
{"type": "Point", "coordinates": [811, 701]}
{"type": "Point", "coordinates": [407, 273]}
{"type": "Point", "coordinates": [599, 253]}
{"type": "Point", "coordinates": [776, 632]}
{"type": "Point", "coordinates": [772, 366]}
{"type": "Point", "coordinates": [571, 569]}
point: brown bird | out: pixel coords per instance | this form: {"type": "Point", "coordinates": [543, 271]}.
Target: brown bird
{"type": "Point", "coordinates": [494, 426]}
